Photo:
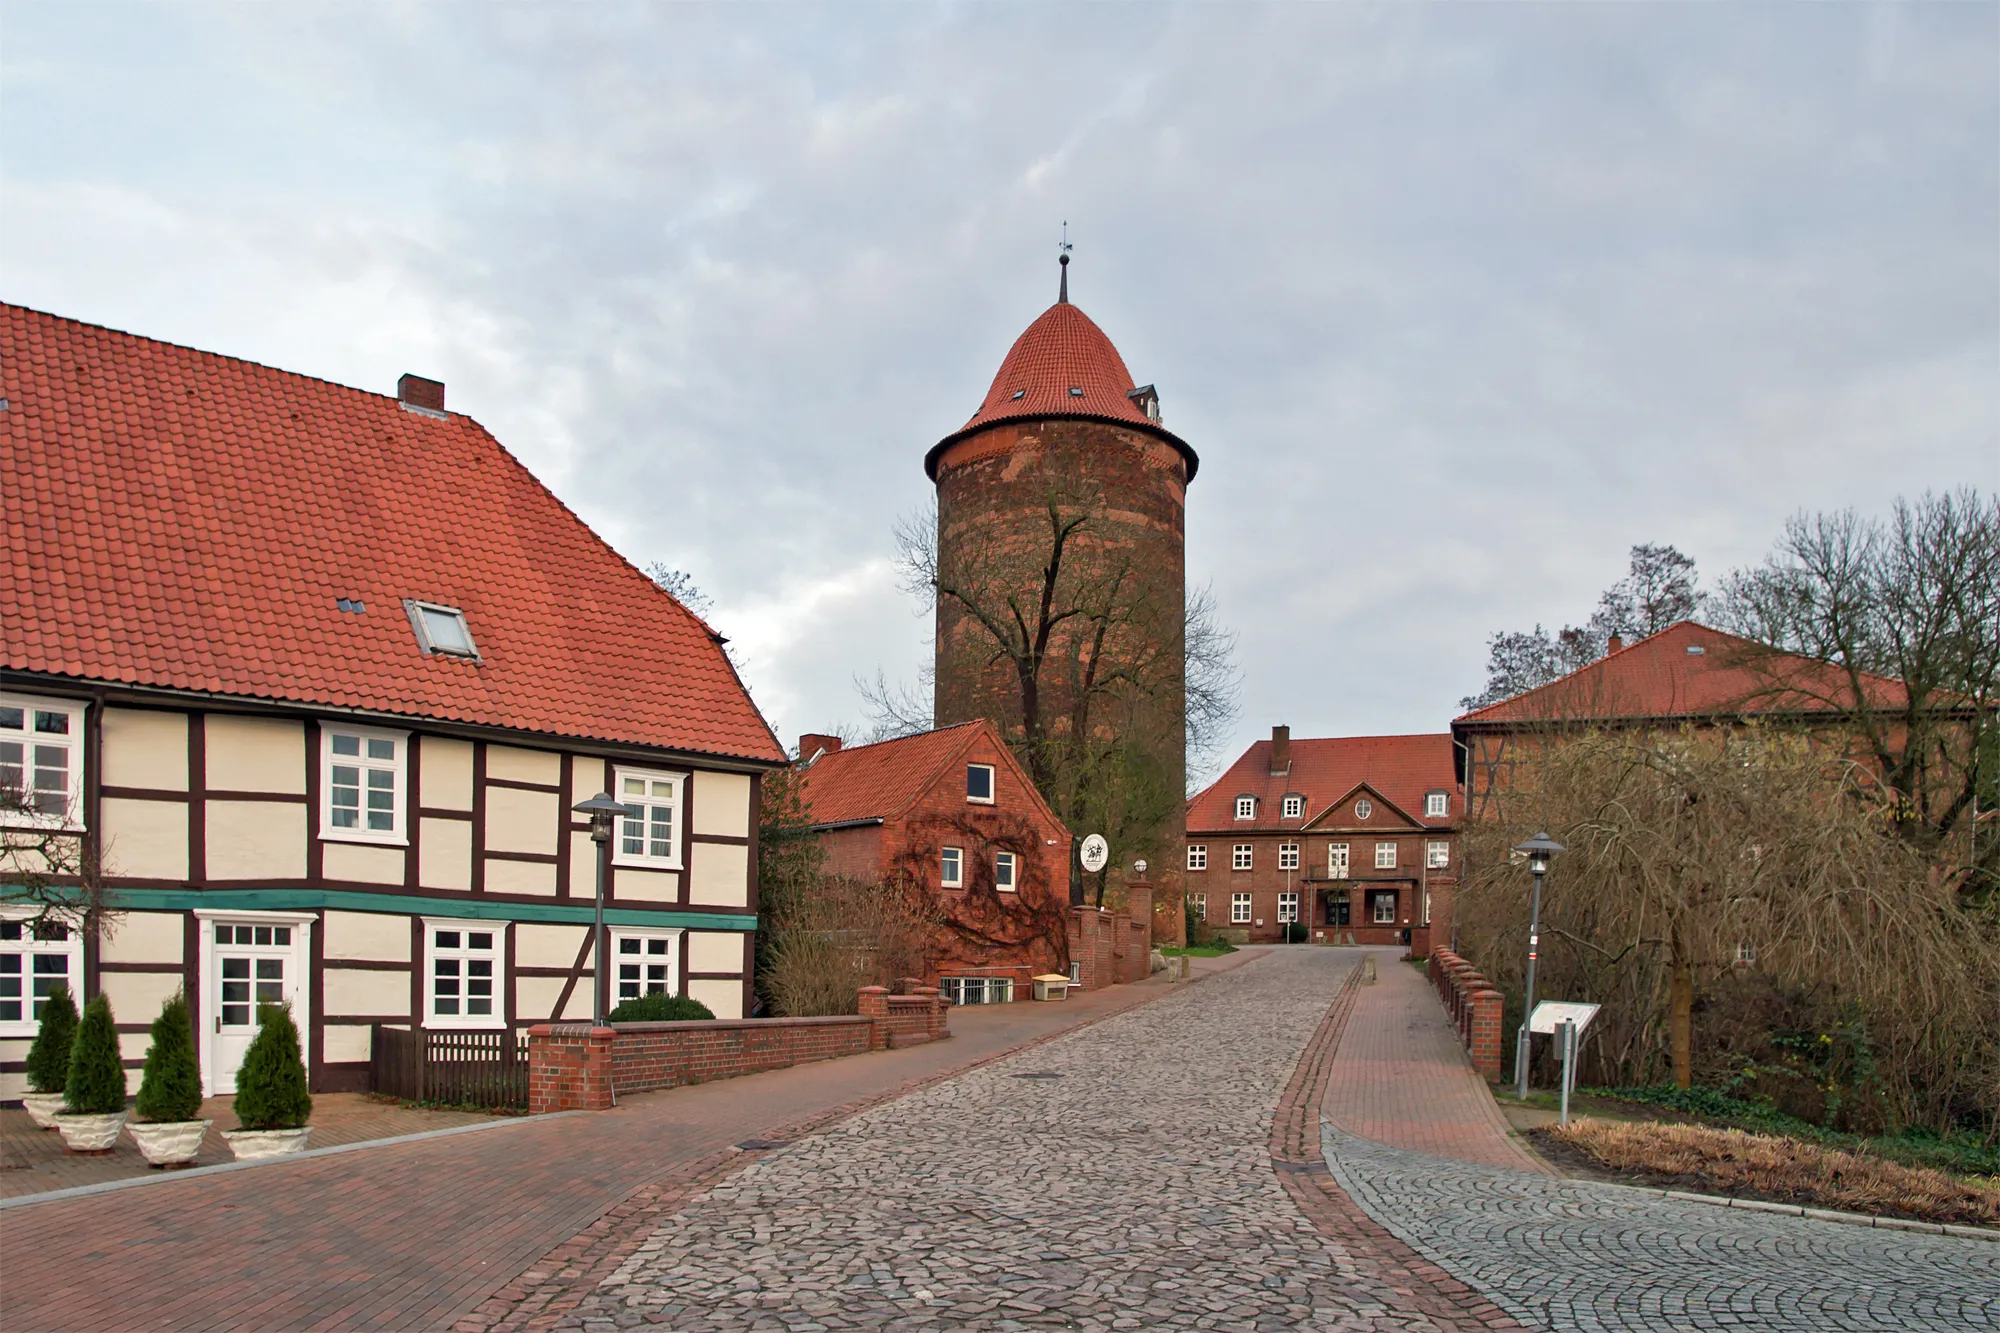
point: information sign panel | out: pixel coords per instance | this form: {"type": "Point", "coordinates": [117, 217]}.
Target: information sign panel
{"type": "Point", "coordinates": [1550, 1015]}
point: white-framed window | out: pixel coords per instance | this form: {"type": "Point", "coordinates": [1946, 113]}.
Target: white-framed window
{"type": "Point", "coordinates": [1437, 855]}
{"type": "Point", "coordinates": [363, 784]}
{"type": "Point", "coordinates": [1295, 806]}
{"type": "Point", "coordinates": [982, 990]}
{"type": "Point", "coordinates": [1288, 908]}
{"type": "Point", "coordinates": [1197, 856]}
{"type": "Point", "coordinates": [41, 760]}
{"type": "Point", "coordinates": [1382, 904]}
{"type": "Point", "coordinates": [1005, 868]}
{"type": "Point", "coordinates": [463, 965]}
{"type": "Point", "coordinates": [1246, 807]}
{"type": "Point", "coordinates": [441, 630]}
{"type": "Point", "coordinates": [979, 783]}
{"type": "Point", "coordinates": [1199, 901]}
{"type": "Point", "coordinates": [1288, 856]}
{"type": "Point", "coordinates": [1385, 856]}
{"type": "Point", "coordinates": [1746, 954]}
{"type": "Point", "coordinates": [1437, 805]}
{"type": "Point", "coordinates": [32, 965]}
{"type": "Point", "coordinates": [951, 867]}
{"type": "Point", "coordinates": [1239, 909]}
{"type": "Point", "coordinates": [1336, 860]}
{"type": "Point", "coordinates": [644, 962]}
{"type": "Point", "coordinates": [1363, 808]}
{"type": "Point", "coordinates": [653, 839]}
{"type": "Point", "coordinates": [1239, 856]}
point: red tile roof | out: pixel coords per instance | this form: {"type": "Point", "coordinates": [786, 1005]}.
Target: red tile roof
{"type": "Point", "coordinates": [185, 520]}
{"type": "Point", "coordinates": [1687, 670]}
{"type": "Point", "coordinates": [880, 781]}
{"type": "Point", "coordinates": [1400, 769]}
{"type": "Point", "coordinates": [1061, 351]}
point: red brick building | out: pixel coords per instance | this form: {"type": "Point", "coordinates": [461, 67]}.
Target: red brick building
{"type": "Point", "coordinates": [1355, 838]}
{"type": "Point", "coordinates": [953, 811]}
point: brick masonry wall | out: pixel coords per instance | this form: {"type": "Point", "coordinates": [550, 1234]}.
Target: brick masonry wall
{"type": "Point", "coordinates": [1264, 881]}
{"type": "Point", "coordinates": [1474, 1005]}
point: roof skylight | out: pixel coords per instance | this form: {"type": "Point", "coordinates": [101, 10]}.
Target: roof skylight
{"type": "Point", "coordinates": [1019, 394]}
{"type": "Point", "coordinates": [1075, 391]}
{"type": "Point", "coordinates": [441, 630]}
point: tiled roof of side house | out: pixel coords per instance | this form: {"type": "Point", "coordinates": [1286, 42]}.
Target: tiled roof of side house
{"type": "Point", "coordinates": [880, 781]}
{"type": "Point", "coordinates": [190, 521]}
{"type": "Point", "coordinates": [1687, 670]}
{"type": "Point", "coordinates": [1401, 769]}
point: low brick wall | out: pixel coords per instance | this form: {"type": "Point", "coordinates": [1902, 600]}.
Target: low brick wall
{"type": "Point", "coordinates": [1474, 1004]}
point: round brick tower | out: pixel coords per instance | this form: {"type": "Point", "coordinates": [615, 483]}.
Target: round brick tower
{"type": "Point", "coordinates": [1066, 453]}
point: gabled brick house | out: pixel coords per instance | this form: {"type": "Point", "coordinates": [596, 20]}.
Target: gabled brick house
{"type": "Point", "coordinates": [952, 813]}
{"type": "Point", "coordinates": [318, 674]}
{"type": "Point", "coordinates": [1352, 840]}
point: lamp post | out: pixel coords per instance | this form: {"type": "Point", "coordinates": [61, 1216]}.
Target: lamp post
{"type": "Point", "coordinates": [1538, 849]}
{"type": "Point", "coordinates": [602, 810]}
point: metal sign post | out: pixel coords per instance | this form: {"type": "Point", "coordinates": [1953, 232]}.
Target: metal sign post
{"type": "Point", "coordinates": [1565, 1020]}
{"type": "Point", "coordinates": [1569, 1065]}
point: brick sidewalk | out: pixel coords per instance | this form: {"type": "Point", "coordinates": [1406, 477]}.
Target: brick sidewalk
{"type": "Point", "coordinates": [1400, 1077]}
{"type": "Point", "coordinates": [416, 1235]}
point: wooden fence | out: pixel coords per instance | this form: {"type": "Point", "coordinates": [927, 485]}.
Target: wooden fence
{"type": "Point", "coordinates": [452, 1068]}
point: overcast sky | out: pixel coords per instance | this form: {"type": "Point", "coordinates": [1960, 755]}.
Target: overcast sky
{"type": "Point", "coordinates": [1456, 302]}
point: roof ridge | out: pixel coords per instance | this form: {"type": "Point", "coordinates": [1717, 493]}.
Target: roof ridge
{"type": "Point", "coordinates": [898, 740]}
{"type": "Point", "coordinates": [949, 755]}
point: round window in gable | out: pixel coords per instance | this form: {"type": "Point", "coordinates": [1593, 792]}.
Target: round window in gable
{"type": "Point", "coordinates": [1363, 808]}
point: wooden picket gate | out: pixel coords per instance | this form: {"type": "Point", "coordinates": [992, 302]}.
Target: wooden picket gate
{"type": "Point", "coordinates": [450, 1068]}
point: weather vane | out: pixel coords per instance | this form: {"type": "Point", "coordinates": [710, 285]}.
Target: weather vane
{"type": "Point", "coordinates": [1062, 258]}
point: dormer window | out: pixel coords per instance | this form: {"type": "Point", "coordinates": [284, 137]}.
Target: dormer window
{"type": "Point", "coordinates": [1246, 807]}
{"type": "Point", "coordinates": [1295, 806]}
{"type": "Point", "coordinates": [441, 630]}
{"type": "Point", "coordinates": [979, 783]}
{"type": "Point", "coordinates": [1437, 805]}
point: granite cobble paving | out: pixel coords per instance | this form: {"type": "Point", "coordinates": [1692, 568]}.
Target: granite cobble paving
{"type": "Point", "coordinates": [1118, 1177]}
{"type": "Point", "coordinates": [1578, 1255]}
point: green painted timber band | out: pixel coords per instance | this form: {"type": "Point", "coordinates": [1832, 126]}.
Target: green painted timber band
{"type": "Point", "coordinates": [473, 909]}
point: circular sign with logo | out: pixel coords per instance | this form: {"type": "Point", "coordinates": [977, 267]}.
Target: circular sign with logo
{"type": "Point", "coordinates": [1096, 853]}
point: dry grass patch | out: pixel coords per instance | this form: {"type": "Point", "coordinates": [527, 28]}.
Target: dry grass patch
{"type": "Point", "coordinates": [1730, 1161]}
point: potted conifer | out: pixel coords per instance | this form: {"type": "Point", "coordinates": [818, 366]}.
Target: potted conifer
{"type": "Point", "coordinates": [48, 1058]}
{"type": "Point", "coordinates": [272, 1104]}
{"type": "Point", "coordinates": [94, 1094]}
{"type": "Point", "coordinates": [165, 1127]}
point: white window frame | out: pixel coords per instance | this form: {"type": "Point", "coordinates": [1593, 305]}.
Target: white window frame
{"type": "Point", "coordinates": [1242, 856]}
{"type": "Point", "coordinates": [1437, 805]}
{"type": "Point", "coordinates": [1385, 856]}
{"type": "Point", "coordinates": [1337, 864]}
{"type": "Point", "coordinates": [992, 784]}
{"type": "Point", "coordinates": [1288, 856]}
{"type": "Point", "coordinates": [678, 836]}
{"type": "Point", "coordinates": [1246, 807]}
{"type": "Point", "coordinates": [28, 948]}
{"type": "Point", "coordinates": [1746, 954]}
{"type": "Point", "coordinates": [1288, 907]}
{"type": "Point", "coordinates": [415, 609]}
{"type": "Point", "coordinates": [1239, 909]}
{"type": "Point", "coordinates": [1437, 854]}
{"type": "Point", "coordinates": [951, 867]}
{"type": "Point", "coordinates": [1006, 872]}
{"type": "Point", "coordinates": [1295, 807]}
{"type": "Point", "coordinates": [1363, 808]}
{"type": "Point", "coordinates": [1197, 856]}
{"type": "Point", "coordinates": [432, 1019]}
{"type": "Point", "coordinates": [71, 742]}
{"type": "Point", "coordinates": [643, 935]}
{"type": "Point", "coordinates": [1200, 902]}
{"type": "Point", "coordinates": [1383, 897]}
{"type": "Point", "coordinates": [398, 834]}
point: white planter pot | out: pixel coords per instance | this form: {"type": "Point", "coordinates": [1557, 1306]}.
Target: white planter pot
{"type": "Point", "coordinates": [251, 1144]}
{"type": "Point", "coordinates": [90, 1133]}
{"type": "Point", "coordinates": [42, 1107]}
{"type": "Point", "coordinates": [168, 1142]}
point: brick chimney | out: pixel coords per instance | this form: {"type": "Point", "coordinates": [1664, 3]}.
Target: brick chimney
{"type": "Point", "coordinates": [1617, 642]}
{"type": "Point", "coordinates": [416, 391]}
{"type": "Point", "coordinates": [812, 745]}
{"type": "Point", "coordinates": [1281, 751]}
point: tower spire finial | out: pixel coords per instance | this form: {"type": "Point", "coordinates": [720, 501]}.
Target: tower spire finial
{"type": "Point", "coordinates": [1062, 258]}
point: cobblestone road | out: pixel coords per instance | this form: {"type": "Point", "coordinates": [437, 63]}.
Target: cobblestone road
{"type": "Point", "coordinates": [1571, 1255]}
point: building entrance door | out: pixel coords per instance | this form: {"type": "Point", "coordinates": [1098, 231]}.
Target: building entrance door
{"type": "Point", "coordinates": [1337, 911]}
{"type": "Point", "coordinates": [249, 964]}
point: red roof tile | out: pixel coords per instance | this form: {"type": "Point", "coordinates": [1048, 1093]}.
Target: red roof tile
{"type": "Point", "coordinates": [185, 520]}
{"type": "Point", "coordinates": [880, 781]}
{"type": "Point", "coordinates": [1688, 670]}
{"type": "Point", "coordinates": [1400, 769]}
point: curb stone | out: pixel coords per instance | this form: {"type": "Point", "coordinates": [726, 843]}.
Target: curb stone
{"type": "Point", "coordinates": [1800, 1210]}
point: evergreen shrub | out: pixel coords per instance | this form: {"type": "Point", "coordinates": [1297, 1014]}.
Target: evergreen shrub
{"type": "Point", "coordinates": [271, 1085]}
{"type": "Point", "coordinates": [96, 1084]}
{"type": "Point", "coordinates": [170, 1089]}
{"type": "Point", "coordinates": [48, 1058]}
{"type": "Point", "coordinates": [659, 1007]}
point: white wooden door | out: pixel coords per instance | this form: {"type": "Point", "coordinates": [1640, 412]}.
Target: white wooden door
{"type": "Point", "coordinates": [253, 964]}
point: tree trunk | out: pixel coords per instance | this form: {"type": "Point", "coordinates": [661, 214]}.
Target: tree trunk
{"type": "Point", "coordinates": [1680, 1009]}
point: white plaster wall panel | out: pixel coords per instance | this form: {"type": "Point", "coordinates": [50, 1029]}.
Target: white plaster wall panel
{"type": "Point", "coordinates": [132, 1046]}
{"type": "Point", "coordinates": [256, 840]}
{"type": "Point", "coordinates": [14, 1052]}
{"type": "Point", "coordinates": [579, 1002]}
{"type": "Point", "coordinates": [255, 754]}
{"type": "Point", "coordinates": [346, 1043]}
{"type": "Point", "coordinates": [353, 993]}
{"type": "Point", "coordinates": [582, 865]}
{"type": "Point", "coordinates": [715, 951]}
{"type": "Point", "coordinates": [587, 777]}
{"type": "Point", "coordinates": [720, 875]}
{"type": "Point", "coordinates": [445, 775]}
{"type": "Point", "coordinates": [723, 998]}
{"type": "Point", "coordinates": [444, 854]}
{"type": "Point", "coordinates": [142, 937]}
{"type": "Point", "coordinates": [145, 839]}
{"type": "Point", "coordinates": [13, 1085]}
{"type": "Point", "coordinates": [362, 864]}
{"type": "Point", "coordinates": [377, 936]}
{"type": "Point", "coordinates": [525, 877]}
{"type": "Point", "coordinates": [535, 997]}
{"type": "Point", "coordinates": [722, 804]}
{"type": "Point", "coordinates": [517, 765]}
{"type": "Point", "coordinates": [136, 997]}
{"type": "Point", "coordinates": [145, 748]}
{"type": "Point", "coordinates": [537, 945]}
{"type": "Point", "coordinates": [520, 821]}
{"type": "Point", "coordinates": [646, 886]}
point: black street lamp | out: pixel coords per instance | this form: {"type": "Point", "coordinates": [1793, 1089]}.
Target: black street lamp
{"type": "Point", "coordinates": [1539, 850]}
{"type": "Point", "coordinates": [602, 810]}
